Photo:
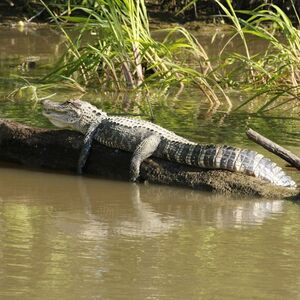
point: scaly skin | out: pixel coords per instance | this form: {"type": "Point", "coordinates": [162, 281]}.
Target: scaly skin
{"type": "Point", "coordinates": [144, 139]}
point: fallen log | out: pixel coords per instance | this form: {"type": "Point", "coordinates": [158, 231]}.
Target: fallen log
{"type": "Point", "coordinates": [276, 149]}
{"type": "Point", "coordinates": [59, 150]}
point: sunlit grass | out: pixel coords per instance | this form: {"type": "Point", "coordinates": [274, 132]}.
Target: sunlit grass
{"type": "Point", "coordinates": [275, 71]}
{"type": "Point", "coordinates": [124, 54]}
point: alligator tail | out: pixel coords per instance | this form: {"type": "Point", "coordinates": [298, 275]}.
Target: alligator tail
{"type": "Point", "coordinates": [229, 158]}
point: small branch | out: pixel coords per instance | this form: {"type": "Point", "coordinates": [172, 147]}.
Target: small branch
{"type": "Point", "coordinates": [274, 148]}
{"type": "Point", "coordinates": [127, 75]}
{"type": "Point", "coordinates": [138, 65]}
{"type": "Point", "coordinates": [36, 15]}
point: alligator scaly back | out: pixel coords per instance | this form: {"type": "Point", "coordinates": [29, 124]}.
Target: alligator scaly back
{"type": "Point", "coordinates": [145, 139]}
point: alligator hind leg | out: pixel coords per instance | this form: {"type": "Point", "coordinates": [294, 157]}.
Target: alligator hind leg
{"type": "Point", "coordinates": [144, 150]}
{"type": "Point", "coordinates": [87, 143]}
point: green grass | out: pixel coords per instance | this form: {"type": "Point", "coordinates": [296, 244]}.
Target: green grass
{"type": "Point", "coordinates": [273, 72]}
{"type": "Point", "coordinates": [125, 56]}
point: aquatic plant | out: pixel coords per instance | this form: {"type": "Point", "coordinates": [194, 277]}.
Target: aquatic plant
{"type": "Point", "coordinates": [275, 70]}
{"type": "Point", "coordinates": [30, 92]}
{"type": "Point", "coordinates": [124, 55]}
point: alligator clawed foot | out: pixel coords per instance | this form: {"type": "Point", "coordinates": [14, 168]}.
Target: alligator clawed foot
{"type": "Point", "coordinates": [134, 178]}
{"type": "Point", "coordinates": [134, 173]}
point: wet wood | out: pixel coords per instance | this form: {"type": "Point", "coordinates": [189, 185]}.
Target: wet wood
{"type": "Point", "coordinates": [276, 149]}
{"type": "Point", "coordinates": [59, 150]}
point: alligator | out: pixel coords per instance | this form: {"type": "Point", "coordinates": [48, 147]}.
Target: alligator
{"type": "Point", "coordinates": [145, 139]}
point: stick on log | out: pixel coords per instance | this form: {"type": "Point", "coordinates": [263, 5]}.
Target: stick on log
{"type": "Point", "coordinates": [278, 150]}
{"type": "Point", "coordinates": [59, 150]}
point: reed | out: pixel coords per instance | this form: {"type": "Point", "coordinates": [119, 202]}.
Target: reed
{"type": "Point", "coordinates": [126, 56]}
{"type": "Point", "coordinates": [274, 71]}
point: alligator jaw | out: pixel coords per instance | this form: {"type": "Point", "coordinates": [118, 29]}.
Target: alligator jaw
{"type": "Point", "coordinates": [60, 114]}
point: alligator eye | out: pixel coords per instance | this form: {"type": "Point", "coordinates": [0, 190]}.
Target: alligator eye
{"type": "Point", "coordinates": [76, 104]}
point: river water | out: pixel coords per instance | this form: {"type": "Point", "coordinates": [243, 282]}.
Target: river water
{"type": "Point", "coordinates": [72, 237]}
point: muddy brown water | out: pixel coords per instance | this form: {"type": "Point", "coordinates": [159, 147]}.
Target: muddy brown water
{"type": "Point", "coordinates": [72, 237]}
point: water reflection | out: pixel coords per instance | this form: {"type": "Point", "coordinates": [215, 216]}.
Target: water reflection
{"type": "Point", "coordinates": [33, 41]}
{"type": "Point", "coordinates": [160, 210]}
{"type": "Point", "coordinates": [95, 208]}
{"type": "Point", "coordinates": [143, 220]}
{"type": "Point", "coordinates": [147, 221]}
{"type": "Point", "coordinates": [215, 210]}
{"type": "Point", "coordinates": [63, 235]}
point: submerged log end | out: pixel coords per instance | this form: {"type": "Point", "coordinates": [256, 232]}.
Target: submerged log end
{"type": "Point", "coordinates": [59, 150]}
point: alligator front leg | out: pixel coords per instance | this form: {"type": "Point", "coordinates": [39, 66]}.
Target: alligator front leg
{"type": "Point", "coordinates": [144, 150]}
{"type": "Point", "coordinates": [87, 143]}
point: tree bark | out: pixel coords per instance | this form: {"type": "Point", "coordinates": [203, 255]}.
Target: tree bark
{"type": "Point", "coordinates": [278, 150]}
{"type": "Point", "coordinates": [59, 150]}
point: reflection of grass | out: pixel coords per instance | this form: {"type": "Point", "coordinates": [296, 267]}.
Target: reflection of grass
{"type": "Point", "coordinates": [125, 56]}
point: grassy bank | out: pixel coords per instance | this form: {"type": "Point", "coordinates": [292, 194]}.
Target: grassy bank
{"type": "Point", "coordinates": [273, 72]}
{"type": "Point", "coordinates": [125, 56]}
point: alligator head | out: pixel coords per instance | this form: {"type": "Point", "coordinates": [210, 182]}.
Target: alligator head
{"type": "Point", "coordinates": [74, 114]}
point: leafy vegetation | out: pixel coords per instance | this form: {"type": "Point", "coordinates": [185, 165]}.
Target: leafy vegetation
{"type": "Point", "coordinates": [274, 71]}
{"type": "Point", "coordinates": [124, 54]}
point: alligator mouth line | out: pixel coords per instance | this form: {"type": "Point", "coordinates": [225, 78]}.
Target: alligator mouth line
{"type": "Point", "coordinates": [50, 112]}
{"type": "Point", "coordinates": [49, 105]}
{"type": "Point", "coordinates": [60, 117]}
